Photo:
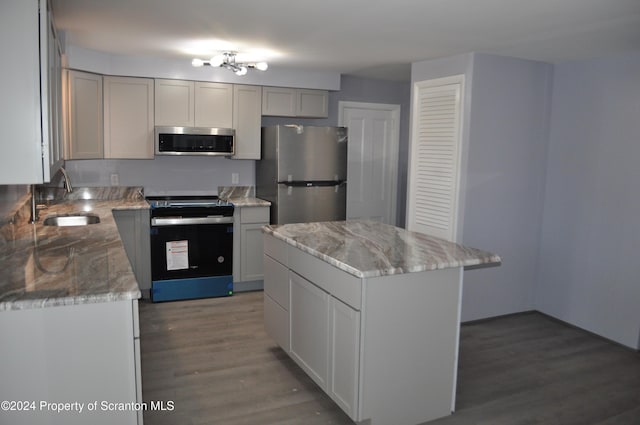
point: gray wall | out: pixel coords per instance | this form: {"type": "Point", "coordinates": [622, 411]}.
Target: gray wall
{"type": "Point", "coordinates": [502, 174]}
{"type": "Point", "coordinates": [589, 272]}
{"type": "Point", "coordinates": [505, 181]}
{"type": "Point", "coordinates": [165, 174]}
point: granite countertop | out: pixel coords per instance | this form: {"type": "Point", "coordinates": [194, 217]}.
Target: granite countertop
{"type": "Point", "coordinates": [241, 196]}
{"type": "Point", "coordinates": [49, 266]}
{"type": "Point", "coordinates": [248, 201]}
{"type": "Point", "coordinates": [367, 248]}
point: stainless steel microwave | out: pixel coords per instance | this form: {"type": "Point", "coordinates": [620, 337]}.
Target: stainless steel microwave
{"type": "Point", "coordinates": [195, 141]}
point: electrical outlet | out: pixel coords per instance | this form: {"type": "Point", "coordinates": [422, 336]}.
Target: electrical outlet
{"type": "Point", "coordinates": [115, 180]}
{"type": "Point", "coordinates": [235, 178]}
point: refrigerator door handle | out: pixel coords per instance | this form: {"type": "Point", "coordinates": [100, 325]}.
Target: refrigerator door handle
{"type": "Point", "coordinates": [312, 183]}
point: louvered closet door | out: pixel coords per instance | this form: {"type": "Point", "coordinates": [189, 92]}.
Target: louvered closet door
{"type": "Point", "coordinates": [435, 157]}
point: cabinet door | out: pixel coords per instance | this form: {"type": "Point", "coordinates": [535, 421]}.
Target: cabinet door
{"type": "Point", "coordinates": [99, 340]}
{"type": "Point", "coordinates": [345, 355]}
{"type": "Point", "coordinates": [251, 266]}
{"type": "Point", "coordinates": [309, 319]}
{"type": "Point", "coordinates": [128, 118]}
{"type": "Point", "coordinates": [22, 156]}
{"type": "Point", "coordinates": [279, 101]}
{"type": "Point", "coordinates": [85, 131]}
{"type": "Point", "coordinates": [174, 103]}
{"type": "Point", "coordinates": [247, 120]}
{"type": "Point", "coordinates": [213, 105]}
{"type": "Point", "coordinates": [276, 281]}
{"type": "Point", "coordinates": [312, 103]}
{"type": "Point", "coordinates": [133, 226]}
{"type": "Point", "coordinates": [276, 301]}
{"type": "Point", "coordinates": [56, 150]}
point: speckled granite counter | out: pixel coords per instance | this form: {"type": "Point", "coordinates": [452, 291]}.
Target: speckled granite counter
{"type": "Point", "coordinates": [248, 202]}
{"type": "Point", "coordinates": [241, 196]}
{"type": "Point", "coordinates": [368, 248]}
{"type": "Point", "coordinates": [50, 266]}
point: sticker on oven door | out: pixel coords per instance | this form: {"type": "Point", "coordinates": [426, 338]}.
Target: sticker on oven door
{"type": "Point", "coordinates": [177, 255]}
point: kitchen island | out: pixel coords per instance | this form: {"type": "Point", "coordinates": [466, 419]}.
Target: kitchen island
{"type": "Point", "coordinates": [69, 315]}
{"type": "Point", "coordinates": [371, 313]}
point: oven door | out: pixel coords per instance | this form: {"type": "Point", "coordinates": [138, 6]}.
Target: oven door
{"type": "Point", "coordinates": [191, 257]}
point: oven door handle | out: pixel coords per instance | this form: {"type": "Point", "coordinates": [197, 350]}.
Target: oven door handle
{"type": "Point", "coordinates": [180, 221]}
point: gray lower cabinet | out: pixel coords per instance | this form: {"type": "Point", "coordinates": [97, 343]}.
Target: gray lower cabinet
{"type": "Point", "coordinates": [320, 332]}
{"type": "Point", "coordinates": [309, 312]}
{"type": "Point", "coordinates": [325, 341]}
{"type": "Point", "coordinates": [84, 354]}
{"type": "Point", "coordinates": [344, 331]}
{"type": "Point", "coordinates": [134, 226]}
{"type": "Point", "coordinates": [247, 257]}
{"type": "Point", "coordinates": [276, 302]}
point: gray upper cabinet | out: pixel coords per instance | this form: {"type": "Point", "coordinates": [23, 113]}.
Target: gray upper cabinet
{"type": "Point", "coordinates": [290, 102]}
{"type": "Point", "coordinates": [128, 118]}
{"type": "Point", "coordinates": [214, 105]}
{"type": "Point", "coordinates": [25, 36]}
{"type": "Point", "coordinates": [247, 119]}
{"type": "Point", "coordinates": [174, 103]}
{"type": "Point", "coordinates": [312, 103]}
{"type": "Point", "coordinates": [84, 135]}
{"type": "Point", "coordinates": [181, 103]}
{"type": "Point", "coordinates": [279, 101]}
{"type": "Point", "coordinates": [108, 117]}
{"type": "Point", "coordinates": [55, 87]}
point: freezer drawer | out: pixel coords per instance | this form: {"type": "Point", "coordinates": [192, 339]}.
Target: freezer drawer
{"type": "Point", "coordinates": [299, 204]}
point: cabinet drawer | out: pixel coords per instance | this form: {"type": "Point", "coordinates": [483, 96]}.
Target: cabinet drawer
{"type": "Point", "coordinates": [276, 249]}
{"type": "Point", "coordinates": [254, 215]}
{"type": "Point", "coordinates": [276, 281]}
{"type": "Point", "coordinates": [276, 322]}
{"type": "Point", "coordinates": [338, 283]}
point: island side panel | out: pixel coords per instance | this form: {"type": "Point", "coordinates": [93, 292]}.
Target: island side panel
{"type": "Point", "coordinates": [409, 346]}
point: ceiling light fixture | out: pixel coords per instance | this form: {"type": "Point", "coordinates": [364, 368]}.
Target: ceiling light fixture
{"type": "Point", "coordinates": [228, 60]}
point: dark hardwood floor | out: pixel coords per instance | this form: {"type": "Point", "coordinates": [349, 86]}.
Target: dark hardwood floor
{"type": "Point", "coordinates": [214, 361]}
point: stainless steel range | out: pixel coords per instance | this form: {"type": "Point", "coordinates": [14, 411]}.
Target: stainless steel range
{"type": "Point", "coordinates": [191, 247]}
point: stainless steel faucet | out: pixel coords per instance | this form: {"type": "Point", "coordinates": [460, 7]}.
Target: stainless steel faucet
{"type": "Point", "coordinates": [67, 181]}
{"type": "Point", "coordinates": [34, 190]}
{"type": "Point", "coordinates": [34, 205]}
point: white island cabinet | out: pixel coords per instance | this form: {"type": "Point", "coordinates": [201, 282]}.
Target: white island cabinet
{"type": "Point", "coordinates": [371, 313]}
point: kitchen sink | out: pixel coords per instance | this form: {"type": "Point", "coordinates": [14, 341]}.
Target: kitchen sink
{"type": "Point", "coordinates": [71, 220]}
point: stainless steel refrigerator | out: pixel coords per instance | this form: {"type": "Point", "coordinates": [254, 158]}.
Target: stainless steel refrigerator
{"type": "Point", "coordinates": [303, 173]}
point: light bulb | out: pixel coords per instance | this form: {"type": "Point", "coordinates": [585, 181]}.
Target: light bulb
{"type": "Point", "coordinates": [262, 66]}
{"type": "Point", "coordinates": [216, 60]}
{"type": "Point", "coordinates": [197, 63]}
{"type": "Point", "coordinates": [242, 71]}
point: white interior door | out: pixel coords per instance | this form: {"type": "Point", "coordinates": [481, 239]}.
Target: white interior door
{"type": "Point", "coordinates": [372, 171]}
{"type": "Point", "coordinates": [435, 148]}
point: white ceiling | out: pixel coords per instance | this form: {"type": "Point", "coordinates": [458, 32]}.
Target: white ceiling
{"type": "Point", "coordinates": [369, 38]}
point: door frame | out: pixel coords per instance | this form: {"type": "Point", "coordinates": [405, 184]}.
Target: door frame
{"type": "Point", "coordinates": [394, 148]}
